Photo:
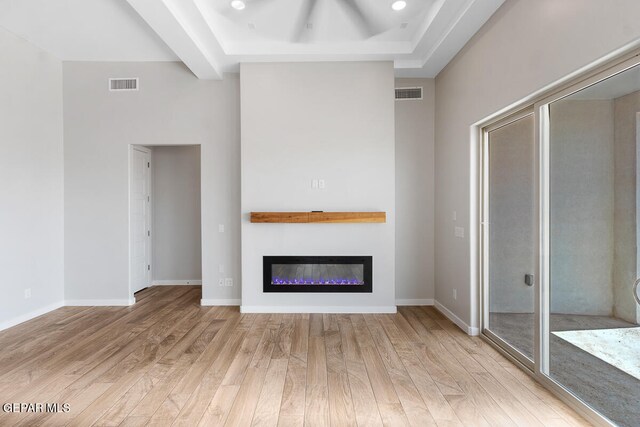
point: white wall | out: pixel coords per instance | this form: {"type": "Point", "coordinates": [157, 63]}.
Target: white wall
{"type": "Point", "coordinates": [525, 46]}
{"type": "Point", "coordinates": [415, 194]}
{"type": "Point", "coordinates": [331, 121]}
{"type": "Point", "coordinates": [176, 240]}
{"type": "Point", "coordinates": [172, 107]}
{"type": "Point", "coordinates": [31, 193]}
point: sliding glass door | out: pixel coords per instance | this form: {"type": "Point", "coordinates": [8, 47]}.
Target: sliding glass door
{"type": "Point", "coordinates": [510, 232]}
{"type": "Point", "coordinates": [594, 338]}
{"type": "Point", "coordinates": [560, 221]}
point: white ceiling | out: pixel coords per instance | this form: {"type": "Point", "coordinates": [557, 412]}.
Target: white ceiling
{"type": "Point", "coordinates": [278, 22]}
{"type": "Point", "coordinates": [84, 30]}
{"type": "Point", "coordinates": [211, 38]}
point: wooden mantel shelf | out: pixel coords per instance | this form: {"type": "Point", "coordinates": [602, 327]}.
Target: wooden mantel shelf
{"type": "Point", "coordinates": [318, 217]}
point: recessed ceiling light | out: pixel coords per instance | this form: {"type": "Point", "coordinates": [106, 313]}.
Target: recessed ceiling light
{"type": "Point", "coordinates": [404, 25]}
{"type": "Point", "coordinates": [237, 4]}
{"type": "Point", "coordinates": [399, 5]}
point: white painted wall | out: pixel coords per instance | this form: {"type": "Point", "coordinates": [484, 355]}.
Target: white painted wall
{"type": "Point", "coordinates": [172, 107]}
{"type": "Point", "coordinates": [415, 194]}
{"type": "Point", "coordinates": [525, 46]}
{"type": "Point", "coordinates": [331, 121]}
{"type": "Point", "coordinates": [31, 193]}
{"type": "Point", "coordinates": [176, 240]}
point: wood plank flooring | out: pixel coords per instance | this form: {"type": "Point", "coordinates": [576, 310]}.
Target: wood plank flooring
{"type": "Point", "coordinates": [167, 361]}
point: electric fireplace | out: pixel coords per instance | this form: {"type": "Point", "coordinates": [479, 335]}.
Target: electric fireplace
{"type": "Point", "coordinates": [317, 274]}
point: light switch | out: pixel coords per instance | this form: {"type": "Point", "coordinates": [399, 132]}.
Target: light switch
{"type": "Point", "coordinates": [221, 268]}
{"type": "Point", "coordinates": [220, 228]}
{"type": "Point", "coordinates": [314, 183]}
{"type": "Point", "coordinates": [454, 216]}
{"type": "Point", "coordinates": [458, 232]}
{"type": "Point", "coordinates": [321, 183]}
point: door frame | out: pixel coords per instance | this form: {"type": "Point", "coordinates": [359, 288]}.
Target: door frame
{"type": "Point", "coordinates": [146, 150]}
{"type": "Point", "coordinates": [538, 104]}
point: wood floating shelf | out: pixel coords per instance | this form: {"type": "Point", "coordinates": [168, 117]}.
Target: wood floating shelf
{"type": "Point", "coordinates": [318, 217]}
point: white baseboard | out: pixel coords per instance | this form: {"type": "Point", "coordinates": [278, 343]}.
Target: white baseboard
{"type": "Point", "coordinates": [317, 309]}
{"type": "Point", "coordinates": [175, 282]}
{"type": "Point", "coordinates": [458, 321]}
{"type": "Point", "coordinates": [423, 301]}
{"type": "Point", "coordinates": [30, 315]}
{"type": "Point", "coordinates": [219, 302]}
{"type": "Point", "coordinates": [99, 302]}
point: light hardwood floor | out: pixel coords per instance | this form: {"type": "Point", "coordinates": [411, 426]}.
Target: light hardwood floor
{"type": "Point", "coordinates": [168, 361]}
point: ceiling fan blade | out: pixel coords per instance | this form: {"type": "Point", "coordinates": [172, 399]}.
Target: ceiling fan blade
{"type": "Point", "coordinates": [367, 25]}
{"type": "Point", "coordinates": [304, 18]}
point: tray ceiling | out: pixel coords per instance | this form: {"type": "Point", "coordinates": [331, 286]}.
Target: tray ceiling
{"type": "Point", "coordinates": [211, 37]}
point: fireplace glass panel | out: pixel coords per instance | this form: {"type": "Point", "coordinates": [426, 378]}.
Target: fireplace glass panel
{"type": "Point", "coordinates": [317, 274]}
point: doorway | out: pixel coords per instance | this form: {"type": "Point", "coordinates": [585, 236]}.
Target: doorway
{"type": "Point", "coordinates": [165, 217]}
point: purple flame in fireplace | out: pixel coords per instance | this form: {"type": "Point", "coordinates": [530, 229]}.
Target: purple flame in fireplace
{"type": "Point", "coordinates": [338, 281]}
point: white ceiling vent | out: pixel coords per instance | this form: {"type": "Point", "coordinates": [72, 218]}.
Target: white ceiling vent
{"type": "Point", "coordinates": [119, 85]}
{"type": "Point", "coordinates": [408, 93]}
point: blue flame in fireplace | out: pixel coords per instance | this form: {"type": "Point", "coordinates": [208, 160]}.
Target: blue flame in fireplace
{"type": "Point", "coordinates": [338, 281]}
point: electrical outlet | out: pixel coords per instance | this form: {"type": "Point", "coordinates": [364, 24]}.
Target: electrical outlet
{"type": "Point", "coordinates": [321, 183]}
{"type": "Point", "coordinates": [220, 282]}
{"type": "Point", "coordinates": [458, 232]}
{"type": "Point", "coordinates": [455, 294]}
{"type": "Point", "coordinates": [27, 293]}
{"type": "Point", "coordinates": [220, 228]}
{"type": "Point", "coordinates": [221, 268]}
{"type": "Point", "coordinates": [228, 281]}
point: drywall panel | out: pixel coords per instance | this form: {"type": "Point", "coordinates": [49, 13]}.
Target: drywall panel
{"type": "Point", "coordinates": [329, 121]}
{"type": "Point", "coordinates": [172, 107]}
{"type": "Point", "coordinates": [415, 193]}
{"type": "Point", "coordinates": [31, 176]}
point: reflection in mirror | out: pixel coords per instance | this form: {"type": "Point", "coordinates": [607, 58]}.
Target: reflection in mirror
{"type": "Point", "coordinates": [594, 342]}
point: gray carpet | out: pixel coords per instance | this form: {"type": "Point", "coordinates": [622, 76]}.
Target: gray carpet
{"type": "Point", "coordinates": [610, 391]}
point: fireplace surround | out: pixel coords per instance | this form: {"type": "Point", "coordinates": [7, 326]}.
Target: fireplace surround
{"type": "Point", "coordinates": [325, 274]}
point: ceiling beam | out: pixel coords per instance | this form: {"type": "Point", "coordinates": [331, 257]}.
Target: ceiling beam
{"type": "Point", "coordinates": [178, 26]}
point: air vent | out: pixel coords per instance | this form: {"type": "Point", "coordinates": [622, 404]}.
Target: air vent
{"type": "Point", "coordinates": [119, 85]}
{"type": "Point", "coordinates": [408, 93]}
